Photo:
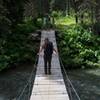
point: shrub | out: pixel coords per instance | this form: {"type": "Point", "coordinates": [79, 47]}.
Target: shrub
{"type": "Point", "coordinates": [18, 46]}
{"type": "Point", "coordinates": [78, 47]}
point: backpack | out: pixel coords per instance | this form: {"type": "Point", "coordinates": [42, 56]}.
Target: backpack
{"type": "Point", "coordinates": [48, 49]}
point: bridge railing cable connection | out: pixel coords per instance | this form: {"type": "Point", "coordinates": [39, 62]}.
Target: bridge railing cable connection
{"type": "Point", "coordinates": [26, 91]}
{"type": "Point", "coordinates": [69, 86]}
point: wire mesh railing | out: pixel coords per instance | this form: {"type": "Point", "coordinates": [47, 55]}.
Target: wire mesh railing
{"type": "Point", "coordinates": [73, 95]}
{"type": "Point", "coordinates": [26, 91]}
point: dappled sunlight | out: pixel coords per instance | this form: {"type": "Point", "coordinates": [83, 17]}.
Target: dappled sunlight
{"type": "Point", "coordinates": [65, 21]}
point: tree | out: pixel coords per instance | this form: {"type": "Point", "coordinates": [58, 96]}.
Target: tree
{"type": "Point", "coordinates": [60, 5]}
{"type": "Point", "coordinates": [97, 11]}
{"type": "Point", "coordinates": [84, 6]}
{"type": "Point", "coordinates": [15, 9]}
{"type": "Point", "coordinates": [4, 21]}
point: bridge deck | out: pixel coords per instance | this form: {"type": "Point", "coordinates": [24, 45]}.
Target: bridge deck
{"type": "Point", "coordinates": [49, 87]}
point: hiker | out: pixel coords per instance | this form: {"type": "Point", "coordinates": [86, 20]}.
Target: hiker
{"type": "Point", "coordinates": [48, 51]}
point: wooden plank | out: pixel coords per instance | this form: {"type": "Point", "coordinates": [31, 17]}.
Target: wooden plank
{"type": "Point", "coordinates": [49, 87]}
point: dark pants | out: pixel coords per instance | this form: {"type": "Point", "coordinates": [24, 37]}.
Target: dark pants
{"type": "Point", "coordinates": [47, 64]}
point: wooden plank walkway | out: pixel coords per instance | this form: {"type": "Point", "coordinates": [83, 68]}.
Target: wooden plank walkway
{"type": "Point", "coordinates": [49, 87]}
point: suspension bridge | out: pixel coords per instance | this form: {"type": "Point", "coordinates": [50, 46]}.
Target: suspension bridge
{"type": "Point", "coordinates": [49, 87]}
{"type": "Point", "coordinates": [56, 86]}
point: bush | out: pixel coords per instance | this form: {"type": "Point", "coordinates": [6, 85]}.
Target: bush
{"type": "Point", "coordinates": [27, 26]}
{"type": "Point", "coordinates": [18, 46]}
{"type": "Point", "coordinates": [78, 47]}
{"type": "Point", "coordinates": [97, 27]}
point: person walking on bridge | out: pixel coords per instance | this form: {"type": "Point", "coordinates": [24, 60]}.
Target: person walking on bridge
{"type": "Point", "coordinates": [48, 51]}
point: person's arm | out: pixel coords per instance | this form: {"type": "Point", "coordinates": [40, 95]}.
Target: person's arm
{"type": "Point", "coordinates": [55, 50]}
{"type": "Point", "coordinates": [41, 48]}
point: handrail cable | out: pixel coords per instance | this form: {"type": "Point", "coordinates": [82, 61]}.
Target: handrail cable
{"type": "Point", "coordinates": [29, 81]}
{"type": "Point", "coordinates": [67, 77]}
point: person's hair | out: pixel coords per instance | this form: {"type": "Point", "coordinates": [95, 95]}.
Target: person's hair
{"type": "Point", "coordinates": [47, 39]}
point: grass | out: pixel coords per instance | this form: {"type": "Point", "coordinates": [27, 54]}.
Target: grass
{"type": "Point", "coordinates": [65, 20]}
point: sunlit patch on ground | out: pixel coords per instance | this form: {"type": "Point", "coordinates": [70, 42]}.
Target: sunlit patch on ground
{"type": "Point", "coordinates": [65, 21]}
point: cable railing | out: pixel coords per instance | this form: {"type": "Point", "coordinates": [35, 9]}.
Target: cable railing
{"type": "Point", "coordinates": [73, 95]}
{"type": "Point", "coordinates": [26, 91]}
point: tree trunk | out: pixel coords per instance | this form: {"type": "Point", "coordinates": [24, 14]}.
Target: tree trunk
{"type": "Point", "coordinates": [82, 18]}
{"type": "Point", "coordinates": [76, 16]}
{"type": "Point", "coordinates": [68, 7]}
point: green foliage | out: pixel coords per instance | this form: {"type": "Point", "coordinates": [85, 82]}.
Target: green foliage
{"type": "Point", "coordinates": [4, 21]}
{"type": "Point", "coordinates": [68, 20]}
{"type": "Point", "coordinates": [97, 28]}
{"type": "Point", "coordinates": [27, 26]}
{"type": "Point", "coordinates": [57, 14]}
{"type": "Point", "coordinates": [15, 10]}
{"type": "Point", "coordinates": [60, 5]}
{"type": "Point", "coordinates": [18, 46]}
{"type": "Point", "coordinates": [78, 47]}
{"type": "Point", "coordinates": [16, 43]}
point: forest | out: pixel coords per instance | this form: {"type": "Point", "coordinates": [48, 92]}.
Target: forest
{"type": "Point", "coordinates": [79, 18]}
{"type": "Point", "coordinates": [77, 28]}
